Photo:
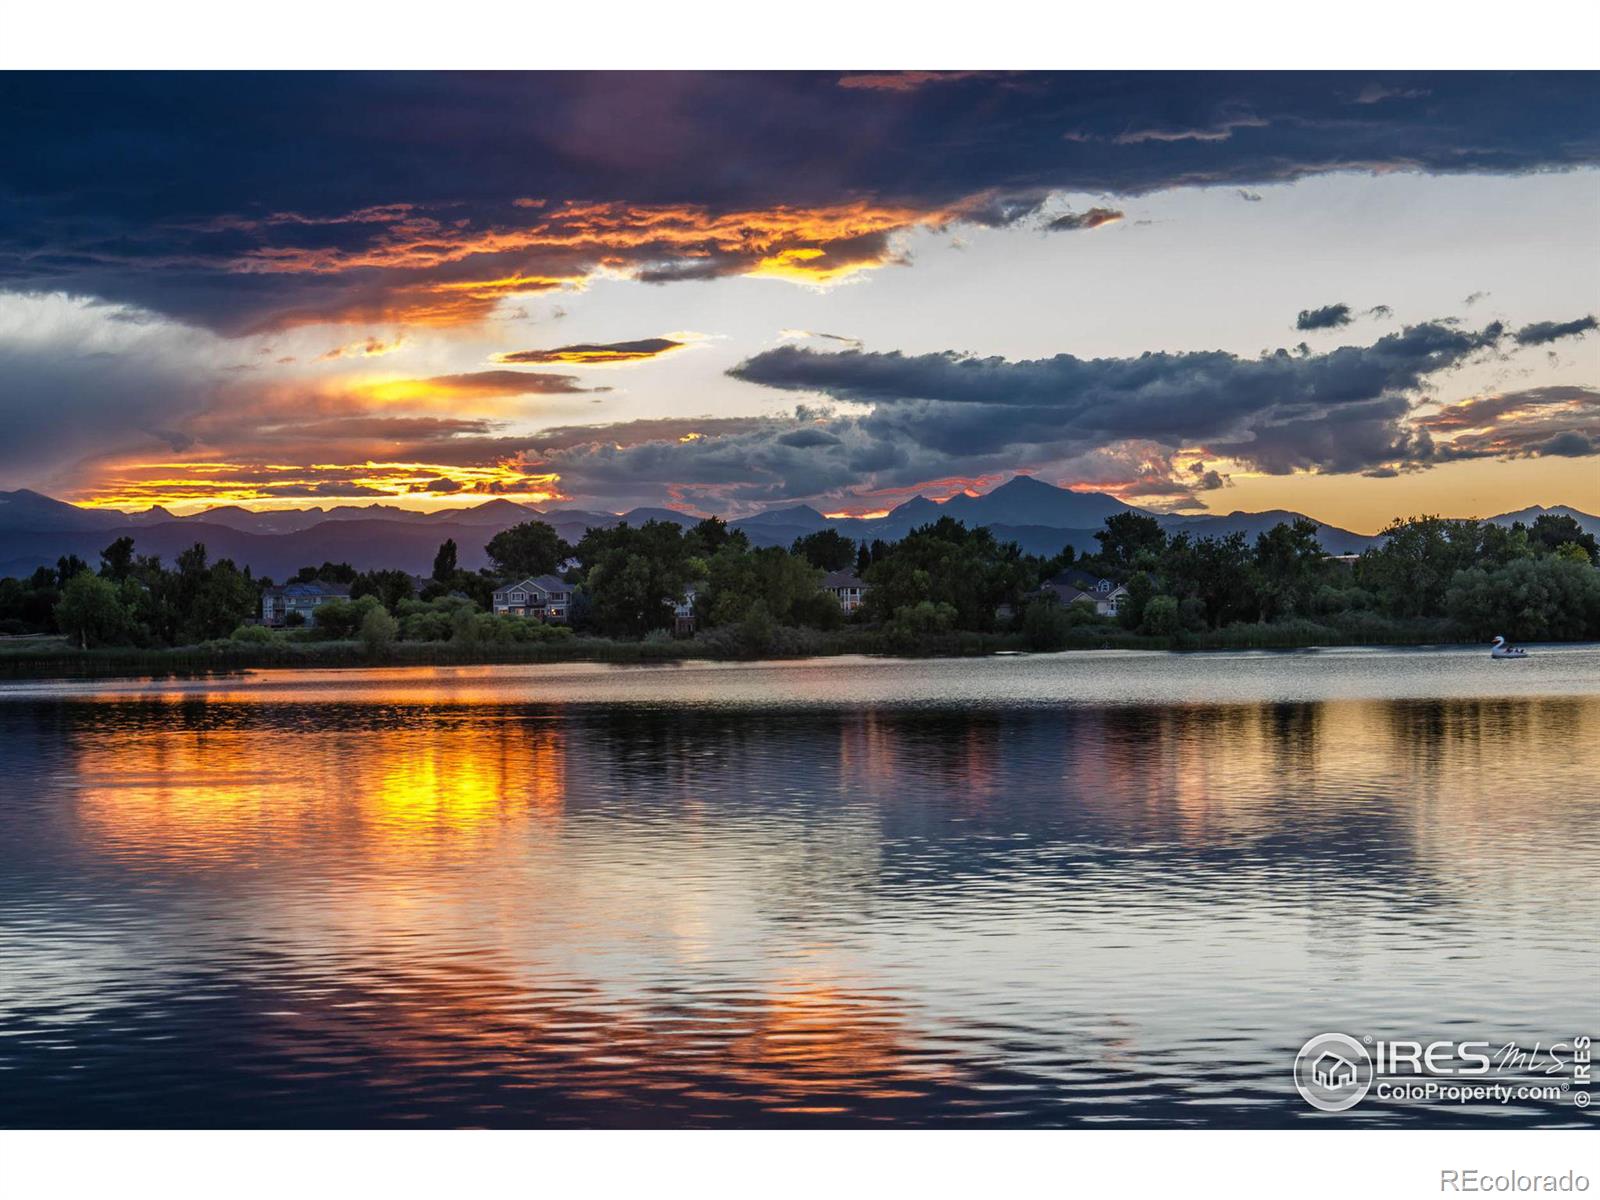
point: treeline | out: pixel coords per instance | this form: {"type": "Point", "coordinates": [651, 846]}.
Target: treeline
{"type": "Point", "coordinates": [1430, 579]}
{"type": "Point", "coordinates": [1430, 576]}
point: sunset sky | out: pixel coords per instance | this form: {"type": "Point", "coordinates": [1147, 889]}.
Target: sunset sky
{"type": "Point", "coordinates": [1354, 295]}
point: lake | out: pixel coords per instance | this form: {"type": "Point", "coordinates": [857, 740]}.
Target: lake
{"type": "Point", "coordinates": [1104, 888]}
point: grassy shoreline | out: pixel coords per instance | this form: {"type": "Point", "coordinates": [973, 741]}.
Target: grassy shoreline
{"type": "Point", "coordinates": [54, 658]}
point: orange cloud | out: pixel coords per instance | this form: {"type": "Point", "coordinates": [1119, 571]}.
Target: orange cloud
{"type": "Point", "coordinates": [400, 265]}
{"type": "Point", "coordinates": [591, 354]}
{"type": "Point", "coordinates": [186, 484]}
{"type": "Point", "coordinates": [371, 347]}
{"type": "Point", "coordinates": [905, 81]}
{"type": "Point", "coordinates": [474, 385]}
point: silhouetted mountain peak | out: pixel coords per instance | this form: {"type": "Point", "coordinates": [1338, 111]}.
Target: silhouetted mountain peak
{"type": "Point", "coordinates": [918, 507]}
{"type": "Point", "coordinates": [795, 516]}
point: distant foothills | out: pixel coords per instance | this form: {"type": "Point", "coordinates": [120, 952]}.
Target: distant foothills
{"type": "Point", "coordinates": [36, 530]}
{"type": "Point", "coordinates": [1026, 567]}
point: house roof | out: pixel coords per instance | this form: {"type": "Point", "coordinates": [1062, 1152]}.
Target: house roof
{"type": "Point", "coordinates": [1069, 594]}
{"type": "Point", "coordinates": [1077, 577]}
{"type": "Point", "coordinates": [315, 587]}
{"type": "Point", "coordinates": [536, 583]}
{"type": "Point", "coordinates": [842, 579]}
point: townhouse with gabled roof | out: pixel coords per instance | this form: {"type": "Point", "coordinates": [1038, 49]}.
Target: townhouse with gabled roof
{"type": "Point", "coordinates": [543, 597]}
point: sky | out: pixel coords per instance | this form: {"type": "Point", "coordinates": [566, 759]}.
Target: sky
{"type": "Point", "coordinates": [1352, 295]}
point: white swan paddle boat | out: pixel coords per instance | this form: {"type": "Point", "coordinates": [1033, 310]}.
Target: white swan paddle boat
{"type": "Point", "coordinates": [1501, 648]}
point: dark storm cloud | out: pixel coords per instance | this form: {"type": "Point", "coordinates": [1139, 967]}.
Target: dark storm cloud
{"type": "Point", "coordinates": [1343, 411]}
{"type": "Point", "coordinates": [1571, 444]}
{"type": "Point", "coordinates": [242, 201]}
{"type": "Point", "coordinates": [1331, 317]}
{"type": "Point", "coordinates": [1540, 332]}
{"type": "Point", "coordinates": [1090, 219]}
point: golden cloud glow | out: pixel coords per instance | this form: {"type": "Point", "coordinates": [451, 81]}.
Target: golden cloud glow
{"type": "Point", "coordinates": [596, 354]}
{"type": "Point", "coordinates": [473, 385]}
{"type": "Point", "coordinates": [188, 485]}
{"type": "Point", "coordinates": [429, 261]}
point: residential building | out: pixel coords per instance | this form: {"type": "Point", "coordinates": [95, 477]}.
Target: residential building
{"type": "Point", "coordinates": [543, 597]}
{"type": "Point", "coordinates": [683, 621]}
{"type": "Point", "coordinates": [847, 587]}
{"type": "Point", "coordinates": [1077, 586]}
{"type": "Point", "coordinates": [278, 604]}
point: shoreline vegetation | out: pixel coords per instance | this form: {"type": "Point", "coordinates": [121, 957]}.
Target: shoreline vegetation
{"type": "Point", "coordinates": [664, 593]}
{"type": "Point", "coordinates": [41, 658]}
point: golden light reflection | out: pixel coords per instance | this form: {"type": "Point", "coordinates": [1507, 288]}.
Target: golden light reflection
{"type": "Point", "coordinates": [215, 796]}
{"type": "Point", "coordinates": [478, 927]}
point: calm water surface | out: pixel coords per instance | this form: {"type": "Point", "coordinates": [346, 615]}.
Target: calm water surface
{"type": "Point", "coordinates": [1043, 890]}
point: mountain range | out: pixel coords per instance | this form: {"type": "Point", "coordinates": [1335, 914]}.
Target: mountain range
{"type": "Point", "coordinates": [35, 529]}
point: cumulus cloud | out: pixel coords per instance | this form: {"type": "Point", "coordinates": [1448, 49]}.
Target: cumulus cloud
{"type": "Point", "coordinates": [1333, 316]}
{"type": "Point", "coordinates": [1089, 219]}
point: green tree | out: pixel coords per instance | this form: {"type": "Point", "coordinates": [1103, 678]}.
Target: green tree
{"type": "Point", "coordinates": [67, 566]}
{"type": "Point", "coordinates": [737, 579]}
{"type": "Point", "coordinates": [390, 587]}
{"type": "Point", "coordinates": [916, 626]}
{"type": "Point", "coordinates": [946, 563]}
{"type": "Point", "coordinates": [338, 620]}
{"type": "Point", "coordinates": [89, 611]}
{"type": "Point", "coordinates": [1128, 535]}
{"type": "Point", "coordinates": [532, 548]}
{"type": "Point", "coordinates": [1551, 531]}
{"type": "Point", "coordinates": [378, 631]}
{"type": "Point", "coordinates": [1419, 556]}
{"type": "Point", "coordinates": [1290, 563]}
{"type": "Point", "coordinates": [1047, 623]}
{"type": "Point", "coordinates": [1161, 616]}
{"type": "Point", "coordinates": [827, 549]}
{"type": "Point", "coordinates": [444, 562]}
{"type": "Point", "coordinates": [633, 576]}
{"type": "Point", "coordinates": [1141, 590]}
{"type": "Point", "coordinates": [1530, 599]}
{"type": "Point", "coordinates": [328, 572]}
{"type": "Point", "coordinates": [712, 534]}
{"type": "Point", "coordinates": [224, 597]}
{"type": "Point", "coordinates": [116, 560]}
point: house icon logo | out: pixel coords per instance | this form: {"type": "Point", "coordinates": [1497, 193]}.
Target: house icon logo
{"type": "Point", "coordinates": [1332, 1072]}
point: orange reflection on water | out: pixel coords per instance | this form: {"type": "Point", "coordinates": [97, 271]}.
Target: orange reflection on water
{"type": "Point", "coordinates": [187, 795]}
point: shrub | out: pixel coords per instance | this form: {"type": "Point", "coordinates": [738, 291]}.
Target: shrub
{"type": "Point", "coordinates": [252, 635]}
{"type": "Point", "coordinates": [1047, 625]}
{"type": "Point", "coordinates": [1161, 617]}
{"type": "Point", "coordinates": [378, 630]}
